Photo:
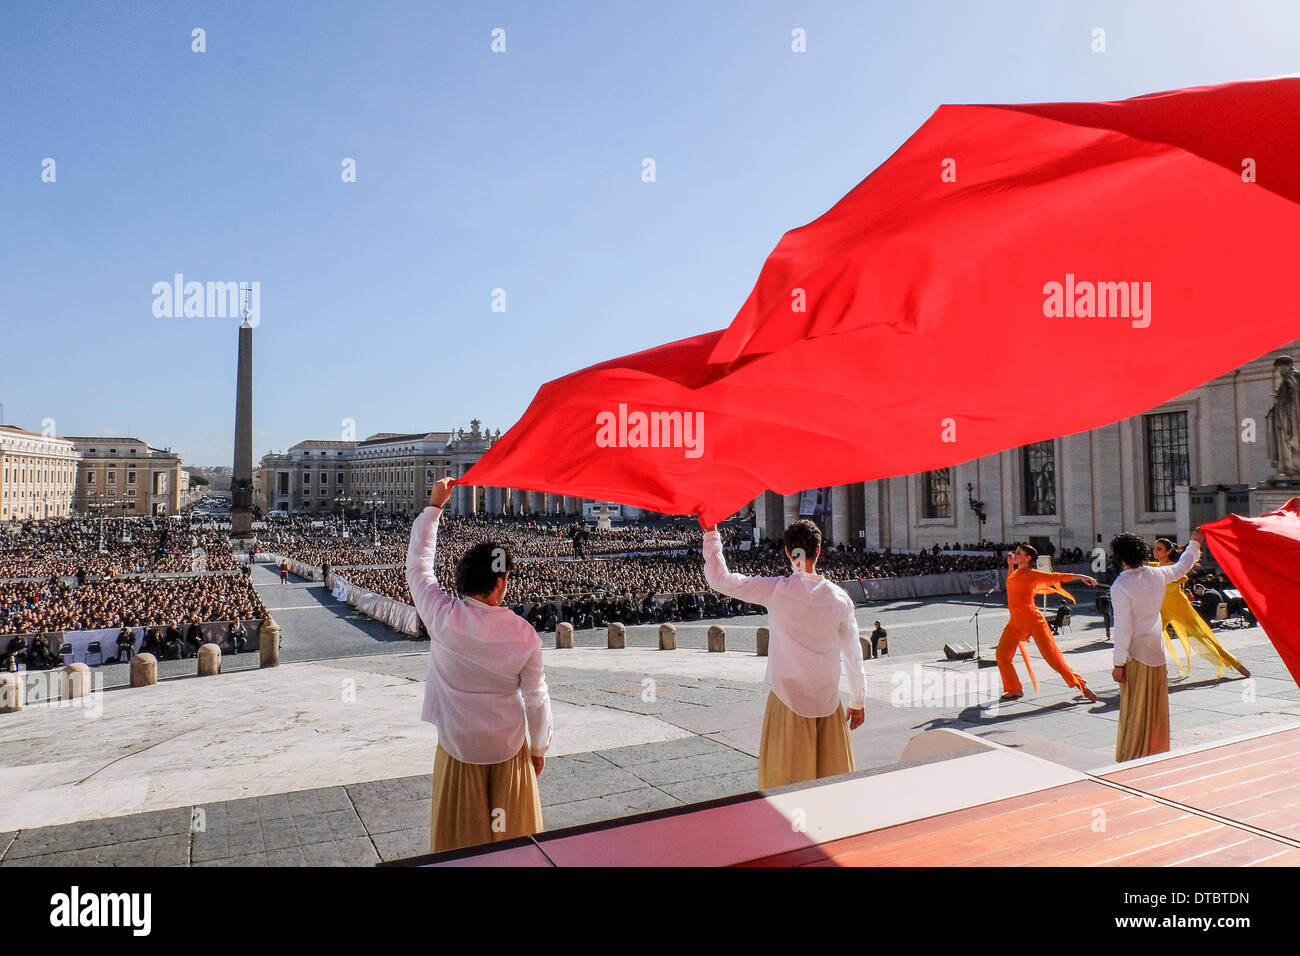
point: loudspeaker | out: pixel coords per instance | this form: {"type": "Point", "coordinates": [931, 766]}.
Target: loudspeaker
{"type": "Point", "coordinates": [958, 652]}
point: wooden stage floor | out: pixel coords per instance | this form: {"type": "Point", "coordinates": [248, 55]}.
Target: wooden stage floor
{"type": "Point", "coordinates": [1235, 803]}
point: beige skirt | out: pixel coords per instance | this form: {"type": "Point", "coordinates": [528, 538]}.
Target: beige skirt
{"type": "Point", "coordinates": [795, 749]}
{"type": "Point", "coordinates": [1143, 712]}
{"type": "Point", "coordinates": [477, 803]}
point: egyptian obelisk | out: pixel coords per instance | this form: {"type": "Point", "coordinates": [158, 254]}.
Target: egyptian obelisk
{"type": "Point", "coordinates": [241, 484]}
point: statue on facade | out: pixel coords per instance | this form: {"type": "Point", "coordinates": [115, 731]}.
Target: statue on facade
{"type": "Point", "coordinates": [1283, 419]}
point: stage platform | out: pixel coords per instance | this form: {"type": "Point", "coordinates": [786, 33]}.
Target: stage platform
{"type": "Point", "coordinates": [958, 800]}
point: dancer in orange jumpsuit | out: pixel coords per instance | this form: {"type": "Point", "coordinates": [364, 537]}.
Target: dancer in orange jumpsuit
{"type": "Point", "coordinates": [1024, 582]}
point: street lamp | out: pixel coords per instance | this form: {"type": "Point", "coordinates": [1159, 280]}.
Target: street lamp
{"type": "Point", "coordinates": [976, 506]}
{"type": "Point", "coordinates": [99, 506]}
{"type": "Point", "coordinates": [342, 502]}
{"type": "Point", "coordinates": [374, 504]}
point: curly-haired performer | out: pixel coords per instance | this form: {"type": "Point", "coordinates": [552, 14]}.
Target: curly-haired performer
{"type": "Point", "coordinates": [1023, 583]}
{"type": "Point", "coordinates": [1177, 612]}
{"type": "Point", "coordinates": [1136, 596]}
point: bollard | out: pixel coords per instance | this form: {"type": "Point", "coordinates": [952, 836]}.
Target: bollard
{"type": "Point", "coordinates": [144, 670]}
{"type": "Point", "coordinates": [564, 635]}
{"type": "Point", "coordinates": [74, 682]}
{"type": "Point", "coordinates": [760, 638]}
{"type": "Point", "coordinates": [667, 637]}
{"type": "Point", "coordinates": [866, 647]}
{"type": "Point", "coordinates": [617, 635]}
{"type": "Point", "coordinates": [268, 642]}
{"type": "Point", "coordinates": [11, 692]}
{"type": "Point", "coordinates": [717, 640]}
{"type": "Point", "coordinates": [209, 660]}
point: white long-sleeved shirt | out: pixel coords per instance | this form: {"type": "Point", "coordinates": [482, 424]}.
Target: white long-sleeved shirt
{"type": "Point", "coordinates": [1136, 597]}
{"type": "Point", "coordinates": [485, 665]}
{"type": "Point", "coordinates": [811, 627]}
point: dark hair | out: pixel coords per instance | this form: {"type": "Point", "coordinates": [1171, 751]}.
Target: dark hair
{"type": "Point", "coordinates": [1175, 552]}
{"type": "Point", "coordinates": [804, 537]}
{"type": "Point", "coordinates": [479, 568]}
{"type": "Point", "coordinates": [1128, 549]}
{"type": "Point", "coordinates": [1030, 550]}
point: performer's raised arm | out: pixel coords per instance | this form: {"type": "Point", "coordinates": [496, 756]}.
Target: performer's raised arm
{"type": "Point", "coordinates": [754, 590]}
{"type": "Point", "coordinates": [431, 601]}
{"type": "Point", "coordinates": [1180, 568]}
{"type": "Point", "coordinates": [1065, 577]}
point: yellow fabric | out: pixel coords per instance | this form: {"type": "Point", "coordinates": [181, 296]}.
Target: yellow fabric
{"type": "Point", "coordinates": [1143, 712]}
{"type": "Point", "coordinates": [794, 749]}
{"type": "Point", "coordinates": [477, 803]}
{"type": "Point", "coordinates": [1177, 612]}
{"type": "Point", "coordinates": [1192, 631]}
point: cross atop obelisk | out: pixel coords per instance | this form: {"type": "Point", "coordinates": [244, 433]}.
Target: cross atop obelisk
{"type": "Point", "coordinates": [241, 485]}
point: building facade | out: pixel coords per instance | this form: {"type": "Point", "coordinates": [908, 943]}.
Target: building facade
{"type": "Point", "coordinates": [1076, 491]}
{"type": "Point", "coordinates": [38, 475]}
{"type": "Point", "coordinates": [126, 476]}
{"type": "Point", "coordinates": [391, 473]}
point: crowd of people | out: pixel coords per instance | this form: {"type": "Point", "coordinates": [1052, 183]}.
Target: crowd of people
{"type": "Point", "coordinates": [591, 602]}
{"type": "Point", "coordinates": [644, 575]}
{"type": "Point", "coordinates": [57, 605]}
{"type": "Point", "coordinates": [526, 538]}
{"type": "Point", "coordinates": [565, 570]}
{"type": "Point", "coordinates": [88, 547]}
{"type": "Point", "coordinates": [999, 548]}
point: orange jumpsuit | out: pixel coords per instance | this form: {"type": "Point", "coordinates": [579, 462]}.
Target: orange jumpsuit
{"type": "Point", "coordinates": [1028, 621]}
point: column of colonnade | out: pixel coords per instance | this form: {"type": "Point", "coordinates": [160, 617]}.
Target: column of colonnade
{"type": "Point", "coordinates": [511, 500]}
{"type": "Point", "coordinates": [790, 510]}
{"type": "Point", "coordinates": [838, 531]}
{"type": "Point", "coordinates": [871, 515]}
{"type": "Point", "coordinates": [460, 492]}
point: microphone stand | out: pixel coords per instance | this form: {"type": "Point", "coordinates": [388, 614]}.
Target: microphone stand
{"type": "Point", "coordinates": [979, 662]}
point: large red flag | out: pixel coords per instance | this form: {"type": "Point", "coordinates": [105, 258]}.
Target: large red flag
{"type": "Point", "coordinates": [1262, 558]}
{"type": "Point", "coordinates": [1011, 274]}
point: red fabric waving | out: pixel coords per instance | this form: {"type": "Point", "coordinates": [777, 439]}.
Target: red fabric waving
{"type": "Point", "coordinates": [915, 325]}
{"type": "Point", "coordinates": [1261, 556]}
{"type": "Point", "coordinates": [1149, 189]}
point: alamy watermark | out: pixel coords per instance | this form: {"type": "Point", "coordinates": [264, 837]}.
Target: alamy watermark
{"type": "Point", "coordinates": [1101, 300]}
{"type": "Point", "coordinates": [945, 689]}
{"type": "Point", "coordinates": [661, 429]}
{"type": "Point", "coordinates": [210, 300]}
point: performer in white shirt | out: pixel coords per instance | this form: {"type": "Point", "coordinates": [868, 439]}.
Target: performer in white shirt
{"type": "Point", "coordinates": [1135, 597]}
{"type": "Point", "coordinates": [805, 736]}
{"type": "Point", "coordinates": [485, 682]}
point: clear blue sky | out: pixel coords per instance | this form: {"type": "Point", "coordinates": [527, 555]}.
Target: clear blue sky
{"type": "Point", "coordinates": [475, 171]}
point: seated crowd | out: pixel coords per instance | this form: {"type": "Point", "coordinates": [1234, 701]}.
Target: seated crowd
{"type": "Point", "coordinates": [585, 600]}
{"type": "Point", "coordinates": [525, 537]}
{"type": "Point", "coordinates": [29, 608]}
{"type": "Point", "coordinates": [652, 586]}
{"type": "Point", "coordinates": [72, 546]}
